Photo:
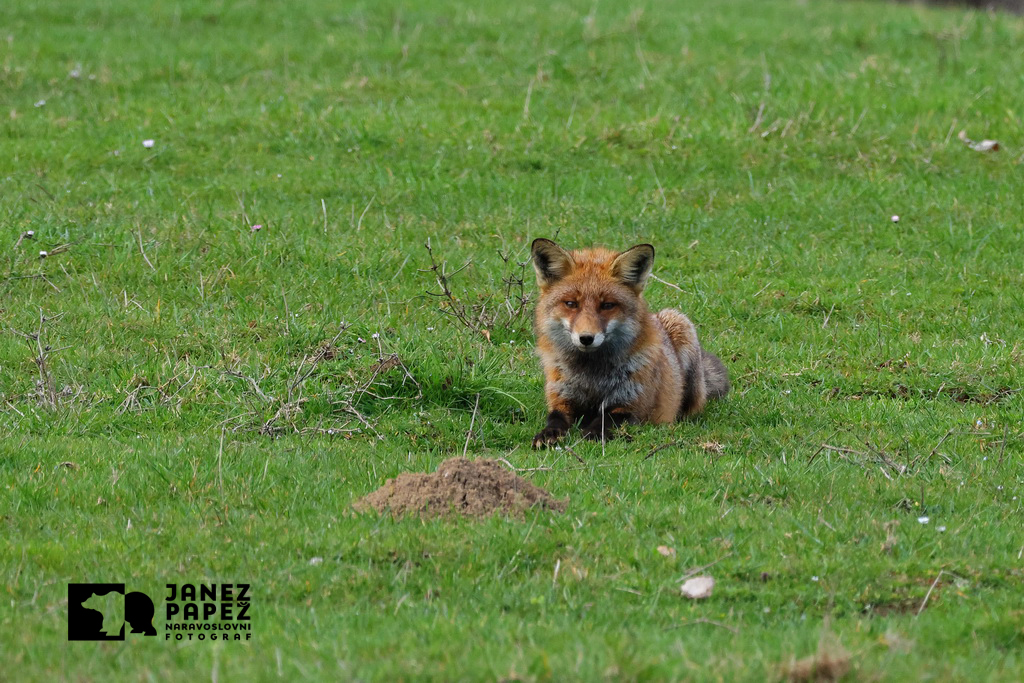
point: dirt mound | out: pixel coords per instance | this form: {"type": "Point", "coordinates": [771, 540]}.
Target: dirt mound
{"type": "Point", "coordinates": [475, 488]}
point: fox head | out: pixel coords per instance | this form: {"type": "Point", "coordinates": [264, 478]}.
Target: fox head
{"type": "Point", "coordinates": [591, 299]}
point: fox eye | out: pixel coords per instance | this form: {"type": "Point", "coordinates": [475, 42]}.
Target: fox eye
{"type": "Point", "coordinates": [608, 305]}
{"type": "Point", "coordinates": [571, 304]}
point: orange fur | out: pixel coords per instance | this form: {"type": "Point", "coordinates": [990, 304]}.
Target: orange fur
{"type": "Point", "coordinates": [607, 359]}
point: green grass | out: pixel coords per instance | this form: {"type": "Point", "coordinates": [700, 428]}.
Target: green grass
{"type": "Point", "coordinates": [760, 146]}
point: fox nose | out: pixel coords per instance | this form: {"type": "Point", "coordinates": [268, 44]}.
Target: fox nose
{"type": "Point", "coordinates": [586, 339]}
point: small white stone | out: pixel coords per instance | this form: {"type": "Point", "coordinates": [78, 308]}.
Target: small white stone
{"type": "Point", "coordinates": [698, 587]}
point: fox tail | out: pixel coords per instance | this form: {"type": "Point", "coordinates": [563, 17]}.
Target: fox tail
{"type": "Point", "coordinates": [716, 377]}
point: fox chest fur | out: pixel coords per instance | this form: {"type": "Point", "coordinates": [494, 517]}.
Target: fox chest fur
{"type": "Point", "coordinates": [603, 380]}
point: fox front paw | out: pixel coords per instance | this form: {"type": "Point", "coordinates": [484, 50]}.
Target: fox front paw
{"type": "Point", "coordinates": [548, 437]}
{"type": "Point", "coordinates": [603, 429]}
{"type": "Point", "coordinates": [557, 426]}
{"type": "Point", "coordinates": [594, 434]}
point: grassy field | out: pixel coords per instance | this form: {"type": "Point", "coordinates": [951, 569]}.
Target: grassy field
{"type": "Point", "coordinates": [185, 398]}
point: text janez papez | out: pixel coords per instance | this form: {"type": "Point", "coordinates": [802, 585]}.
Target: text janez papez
{"type": "Point", "coordinates": [208, 611]}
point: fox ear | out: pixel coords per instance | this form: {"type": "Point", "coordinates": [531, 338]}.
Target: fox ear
{"type": "Point", "coordinates": [632, 266]}
{"type": "Point", "coordinates": [551, 262]}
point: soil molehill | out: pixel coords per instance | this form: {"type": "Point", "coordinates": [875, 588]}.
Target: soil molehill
{"type": "Point", "coordinates": [474, 488]}
{"type": "Point", "coordinates": [824, 667]}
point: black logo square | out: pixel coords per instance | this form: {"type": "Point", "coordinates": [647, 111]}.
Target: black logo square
{"type": "Point", "coordinates": [99, 611]}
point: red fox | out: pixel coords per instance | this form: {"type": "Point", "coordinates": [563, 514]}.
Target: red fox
{"type": "Point", "coordinates": [607, 359]}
